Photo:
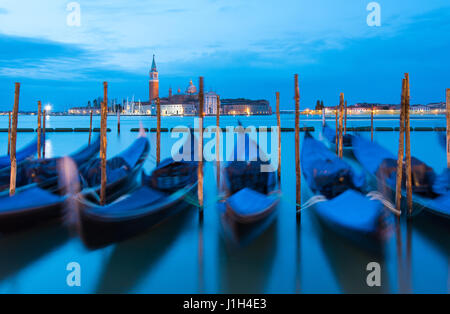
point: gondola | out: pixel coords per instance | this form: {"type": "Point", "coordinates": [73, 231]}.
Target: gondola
{"type": "Point", "coordinates": [430, 191]}
{"type": "Point", "coordinates": [34, 205]}
{"type": "Point", "coordinates": [250, 195]}
{"type": "Point", "coordinates": [21, 155]}
{"type": "Point", "coordinates": [330, 136]}
{"type": "Point", "coordinates": [339, 197]}
{"type": "Point", "coordinates": [170, 188]}
{"type": "Point", "coordinates": [44, 171]}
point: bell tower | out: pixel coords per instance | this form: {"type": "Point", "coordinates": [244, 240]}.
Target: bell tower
{"type": "Point", "coordinates": [153, 82]}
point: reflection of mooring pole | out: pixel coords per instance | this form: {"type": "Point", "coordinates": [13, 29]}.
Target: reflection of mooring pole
{"type": "Point", "coordinates": [200, 147]}
{"type": "Point", "coordinates": [345, 118]}
{"type": "Point", "coordinates": [279, 136]}
{"type": "Point", "coordinates": [12, 184]}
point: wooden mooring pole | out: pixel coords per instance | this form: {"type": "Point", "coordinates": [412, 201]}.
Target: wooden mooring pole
{"type": "Point", "coordinates": [39, 129]}
{"type": "Point", "coordinates": [448, 126]}
{"type": "Point", "coordinates": [118, 121]}
{"type": "Point", "coordinates": [9, 133]}
{"type": "Point", "coordinates": [297, 150]}
{"type": "Point", "coordinates": [401, 147]}
{"type": "Point", "coordinates": [371, 124]}
{"type": "Point", "coordinates": [279, 136]}
{"type": "Point", "coordinates": [345, 118]}
{"type": "Point", "coordinates": [12, 182]}
{"type": "Point", "coordinates": [90, 128]}
{"type": "Point", "coordinates": [337, 132]}
{"type": "Point", "coordinates": [44, 115]}
{"type": "Point", "coordinates": [408, 147]}
{"type": "Point", "coordinates": [218, 147]}
{"type": "Point", "coordinates": [341, 126]}
{"type": "Point", "coordinates": [103, 141]}
{"type": "Point", "coordinates": [158, 131]}
{"type": "Point", "coordinates": [200, 147]}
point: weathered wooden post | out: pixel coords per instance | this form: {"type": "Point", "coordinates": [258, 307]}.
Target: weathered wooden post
{"type": "Point", "coordinates": [345, 121]}
{"type": "Point", "coordinates": [44, 115]}
{"type": "Point", "coordinates": [401, 147]}
{"type": "Point", "coordinates": [297, 150]}
{"type": "Point", "coordinates": [371, 124]}
{"type": "Point", "coordinates": [337, 132]}
{"type": "Point", "coordinates": [103, 141]}
{"type": "Point", "coordinates": [218, 147]}
{"type": "Point", "coordinates": [158, 131]}
{"type": "Point", "coordinates": [279, 136]}
{"type": "Point", "coordinates": [90, 128]}
{"type": "Point", "coordinates": [12, 182]}
{"type": "Point", "coordinates": [341, 122]}
{"type": "Point", "coordinates": [448, 126]}
{"type": "Point", "coordinates": [408, 147]}
{"type": "Point", "coordinates": [9, 133]}
{"type": "Point", "coordinates": [39, 129]}
{"type": "Point", "coordinates": [200, 147]}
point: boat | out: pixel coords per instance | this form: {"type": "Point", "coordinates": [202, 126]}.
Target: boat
{"type": "Point", "coordinates": [338, 195]}
{"type": "Point", "coordinates": [34, 205]}
{"type": "Point", "coordinates": [21, 155]}
{"type": "Point", "coordinates": [330, 136]}
{"type": "Point", "coordinates": [44, 171]}
{"type": "Point", "coordinates": [169, 189]}
{"type": "Point", "coordinates": [250, 196]}
{"type": "Point", "coordinates": [430, 191]}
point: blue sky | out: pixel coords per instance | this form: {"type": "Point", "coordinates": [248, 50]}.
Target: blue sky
{"type": "Point", "coordinates": [243, 48]}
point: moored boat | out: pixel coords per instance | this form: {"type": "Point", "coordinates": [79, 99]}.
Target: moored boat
{"type": "Point", "coordinates": [34, 204]}
{"type": "Point", "coordinates": [251, 194]}
{"type": "Point", "coordinates": [339, 197]}
{"type": "Point", "coordinates": [430, 191]}
{"type": "Point", "coordinates": [169, 189]}
{"type": "Point", "coordinates": [21, 155]}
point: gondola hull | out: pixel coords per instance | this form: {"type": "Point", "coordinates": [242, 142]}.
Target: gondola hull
{"type": "Point", "coordinates": [99, 229]}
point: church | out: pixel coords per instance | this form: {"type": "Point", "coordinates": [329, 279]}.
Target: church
{"type": "Point", "coordinates": [180, 103]}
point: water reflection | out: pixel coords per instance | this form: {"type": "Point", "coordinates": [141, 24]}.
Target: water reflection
{"type": "Point", "coordinates": [246, 269]}
{"type": "Point", "coordinates": [132, 259]}
{"type": "Point", "coordinates": [19, 250]}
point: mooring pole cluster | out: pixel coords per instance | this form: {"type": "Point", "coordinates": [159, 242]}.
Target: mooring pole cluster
{"type": "Point", "coordinates": [404, 157]}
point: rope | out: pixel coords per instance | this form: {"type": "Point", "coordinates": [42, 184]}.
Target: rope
{"type": "Point", "coordinates": [312, 201]}
{"type": "Point", "coordinates": [375, 195]}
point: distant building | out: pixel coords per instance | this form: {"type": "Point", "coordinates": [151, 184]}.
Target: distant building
{"type": "Point", "coordinates": [419, 108]}
{"type": "Point", "coordinates": [243, 106]}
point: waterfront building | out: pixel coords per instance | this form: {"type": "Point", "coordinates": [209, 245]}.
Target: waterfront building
{"type": "Point", "coordinates": [242, 106]}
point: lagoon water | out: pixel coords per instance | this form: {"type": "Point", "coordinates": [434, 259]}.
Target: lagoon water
{"type": "Point", "coordinates": [181, 256]}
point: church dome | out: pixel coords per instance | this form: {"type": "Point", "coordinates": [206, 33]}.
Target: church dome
{"type": "Point", "coordinates": [191, 88]}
